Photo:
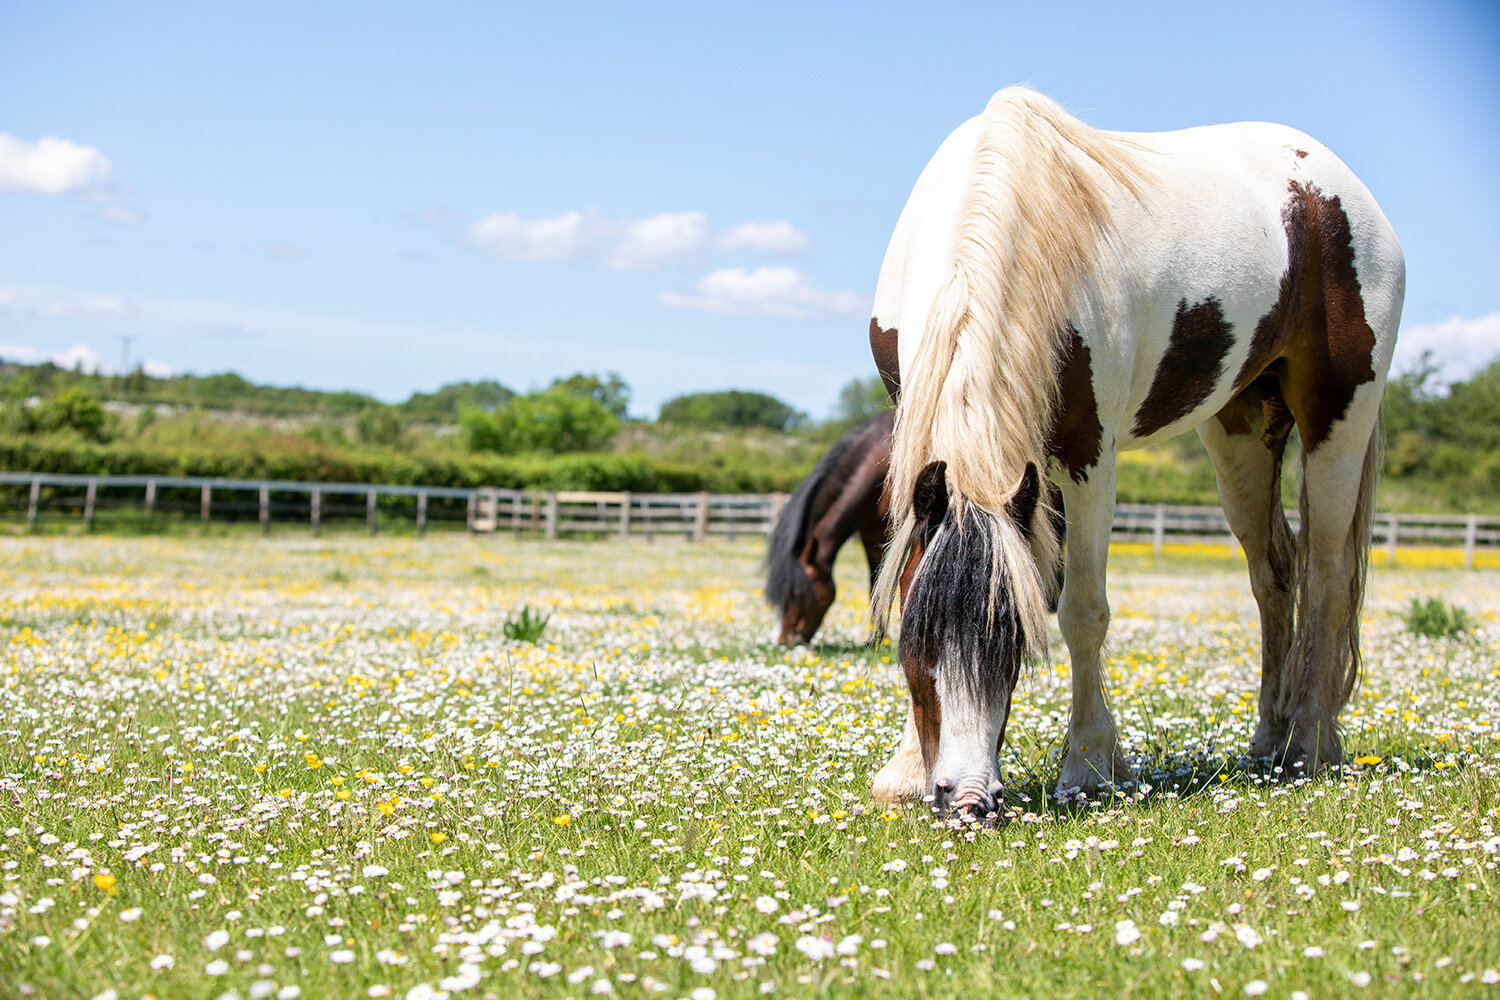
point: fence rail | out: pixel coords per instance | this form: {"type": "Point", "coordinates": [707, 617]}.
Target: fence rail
{"type": "Point", "coordinates": [552, 513]}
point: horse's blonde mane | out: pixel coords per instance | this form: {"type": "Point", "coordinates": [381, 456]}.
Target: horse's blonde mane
{"type": "Point", "coordinates": [980, 391]}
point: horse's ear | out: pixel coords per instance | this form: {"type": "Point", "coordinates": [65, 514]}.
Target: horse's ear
{"type": "Point", "coordinates": [929, 498]}
{"type": "Point", "coordinates": [1022, 506]}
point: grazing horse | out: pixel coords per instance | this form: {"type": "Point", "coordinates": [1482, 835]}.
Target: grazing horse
{"type": "Point", "coordinates": [1053, 294]}
{"type": "Point", "coordinates": [843, 495]}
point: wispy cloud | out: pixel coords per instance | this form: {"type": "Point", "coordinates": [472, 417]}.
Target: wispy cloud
{"type": "Point", "coordinates": [122, 216]}
{"type": "Point", "coordinates": [7, 299]}
{"type": "Point", "coordinates": [279, 250]}
{"type": "Point", "coordinates": [223, 331]}
{"type": "Point", "coordinates": [50, 166]}
{"type": "Point", "coordinates": [781, 292]}
{"type": "Point", "coordinates": [777, 236]}
{"type": "Point", "coordinates": [101, 307]}
{"type": "Point", "coordinates": [1460, 346]}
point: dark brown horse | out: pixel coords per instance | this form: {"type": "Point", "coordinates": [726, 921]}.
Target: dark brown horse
{"type": "Point", "coordinates": [844, 494]}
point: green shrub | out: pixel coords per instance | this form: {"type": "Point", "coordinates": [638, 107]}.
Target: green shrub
{"type": "Point", "coordinates": [1436, 619]}
{"type": "Point", "coordinates": [553, 421]}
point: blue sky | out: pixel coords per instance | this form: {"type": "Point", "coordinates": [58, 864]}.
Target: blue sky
{"type": "Point", "coordinates": [388, 197]}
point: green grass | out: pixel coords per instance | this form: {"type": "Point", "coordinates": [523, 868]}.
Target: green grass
{"type": "Point", "coordinates": [327, 751]}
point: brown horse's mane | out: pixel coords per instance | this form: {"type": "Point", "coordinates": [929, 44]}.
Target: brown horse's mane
{"type": "Point", "coordinates": [785, 577]}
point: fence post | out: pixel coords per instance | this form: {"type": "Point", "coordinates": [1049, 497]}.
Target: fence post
{"type": "Point", "coordinates": [265, 509]}
{"type": "Point", "coordinates": [700, 523]}
{"type": "Point", "coordinates": [205, 502]}
{"type": "Point", "coordinates": [1159, 531]}
{"type": "Point", "coordinates": [315, 511]}
{"type": "Point", "coordinates": [150, 497]}
{"type": "Point", "coordinates": [422, 513]}
{"type": "Point", "coordinates": [1392, 529]}
{"type": "Point", "coordinates": [517, 513]}
{"type": "Point", "coordinates": [89, 495]}
{"type": "Point", "coordinates": [551, 516]}
{"type": "Point", "coordinates": [370, 511]}
{"type": "Point", "coordinates": [33, 503]}
{"type": "Point", "coordinates": [625, 503]}
{"type": "Point", "coordinates": [1471, 538]}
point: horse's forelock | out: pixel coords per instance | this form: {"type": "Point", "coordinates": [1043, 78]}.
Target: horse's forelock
{"type": "Point", "coordinates": [968, 608]}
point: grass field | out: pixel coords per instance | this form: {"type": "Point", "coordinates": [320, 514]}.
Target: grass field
{"type": "Point", "coordinates": [316, 768]}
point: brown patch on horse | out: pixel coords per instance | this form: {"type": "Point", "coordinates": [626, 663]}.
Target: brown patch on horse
{"type": "Point", "coordinates": [883, 348]}
{"type": "Point", "coordinates": [1190, 368]}
{"type": "Point", "coordinates": [1317, 327]}
{"type": "Point", "coordinates": [1301, 153]}
{"type": "Point", "coordinates": [1077, 436]}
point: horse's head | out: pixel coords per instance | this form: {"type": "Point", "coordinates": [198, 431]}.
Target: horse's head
{"type": "Point", "coordinates": [809, 594]}
{"type": "Point", "coordinates": [971, 594]}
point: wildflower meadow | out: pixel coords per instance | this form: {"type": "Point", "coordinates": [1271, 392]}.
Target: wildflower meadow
{"type": "Point", "coordinates": [286, 767]}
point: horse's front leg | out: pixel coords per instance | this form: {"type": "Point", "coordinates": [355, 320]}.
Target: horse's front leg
{"type": "Point", "coordinates": [907, 776]}
{"type": "Point", "coordinates": [1093, 760]}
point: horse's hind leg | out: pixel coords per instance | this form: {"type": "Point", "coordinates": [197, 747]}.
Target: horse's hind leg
{"type": "Point", "coordinates": [1338, 482]}
{"type": "Point", "coordinates": [1246, 441]}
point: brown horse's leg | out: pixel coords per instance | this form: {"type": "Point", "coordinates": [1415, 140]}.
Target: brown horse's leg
{"type": "Point", "coordinates": [1246, 442]}
{"type": "Point", "coordinates": [908, 774]}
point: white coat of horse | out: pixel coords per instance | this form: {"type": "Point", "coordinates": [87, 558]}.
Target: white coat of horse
{"type": "Point", "coordinates": [1054, 294]}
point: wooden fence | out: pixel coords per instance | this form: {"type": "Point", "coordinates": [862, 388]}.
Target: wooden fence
{"type": "Point", "coordinates": [552, 514]}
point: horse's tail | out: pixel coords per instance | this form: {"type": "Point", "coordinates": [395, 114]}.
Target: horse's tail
{"type": "Point", "coordinates": [980, 391]}
{"type": "Point", "coordinates": [785, 577]}
{"type": "Point", "coordinates": [1340, 684]}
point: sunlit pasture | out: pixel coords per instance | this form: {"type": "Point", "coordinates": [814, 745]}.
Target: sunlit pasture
{"type": "Point", "coordinates": [297, 767]}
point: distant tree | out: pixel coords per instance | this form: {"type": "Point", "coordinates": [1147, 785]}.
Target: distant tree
{"type": "Point", "coordinates": [611, 391]}
{"type": "Point", "coordinates": [1469, 415]}
{"type": "Point", "coordinates": [74, 409]}
{"type": "Point", "coordinates": [552, 421]}
{"type": "Point", "coordinates": [447, 402]}
{"type": "Point", "coordinates": [860, 399]}
{"type": "Point", "coordinates": [1409, 412]}
{"type": "Point", "coordinates": [379, 425]}
{"type": "Point", "coordinates": [729, 409]}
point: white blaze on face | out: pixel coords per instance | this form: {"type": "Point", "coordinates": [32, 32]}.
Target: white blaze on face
{"type": "Point", "coordinates": [967, 740]}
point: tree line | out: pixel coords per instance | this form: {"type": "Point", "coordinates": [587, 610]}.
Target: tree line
{"type": "Point", "coordinates": [1442, 441]}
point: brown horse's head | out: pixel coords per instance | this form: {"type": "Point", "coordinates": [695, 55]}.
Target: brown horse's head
{"type": "Point", "coordinates": [809, 594]}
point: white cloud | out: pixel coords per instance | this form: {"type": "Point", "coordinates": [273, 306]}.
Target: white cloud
{"type": "Point", "coordinates": [1459, 346]}
{"type": "Point", "coordinates": [782, 292]}
{"type": "Point", "coordinates": [648, 243]}
{"type": "Point", "coordinates": [103, 307]}
{"type": "Point", "coordinates": [778, 236]}
{"type": "Point", "coordinates": [50, 166]}
{"type": "Point", "coordinates": [558, 237]}
{"type": "Point", "coordinates": [620, 244]}
{"type": "Point", "coordinates": [7, 299]}
{"type": "Point", "coordinates": [79, 357]}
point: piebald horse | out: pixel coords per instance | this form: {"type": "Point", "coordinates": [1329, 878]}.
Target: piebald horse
{"type": "Point", "coordinates": [844, 495]}
{"type": "Point", "coordinates": [1053, 294]}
